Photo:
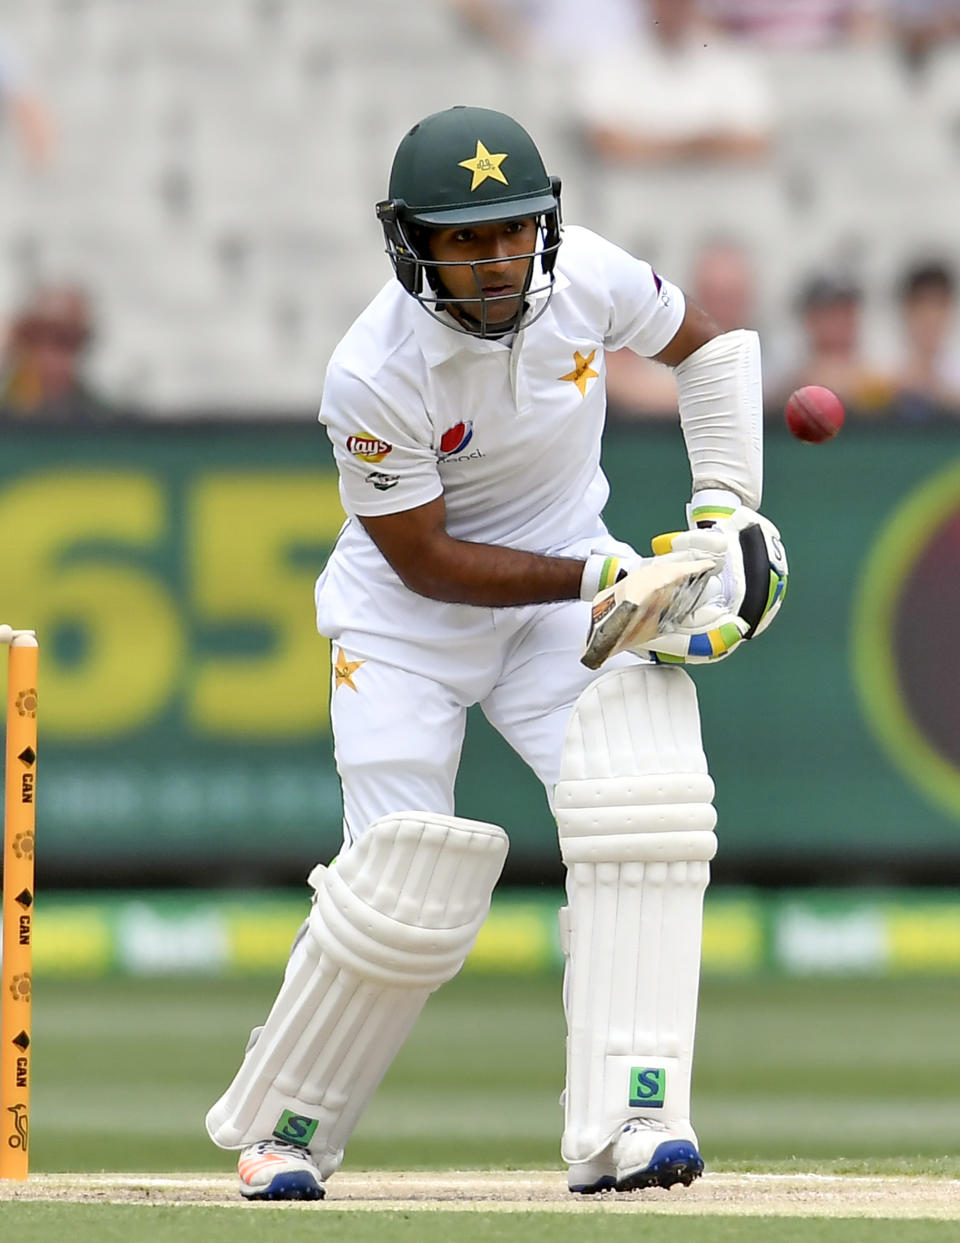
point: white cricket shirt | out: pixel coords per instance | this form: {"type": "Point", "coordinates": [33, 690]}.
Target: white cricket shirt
{"type": "Point", "coordinates": [509, 434]}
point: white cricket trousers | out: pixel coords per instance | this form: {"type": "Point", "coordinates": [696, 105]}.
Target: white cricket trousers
{"type": "Point", "coordinates": [398, 732]}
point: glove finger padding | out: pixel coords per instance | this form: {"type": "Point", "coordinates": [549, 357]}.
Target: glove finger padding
{"type": "Point", "coordinates": [762, 567]}
{"type": "Point", "coordinates": [764, 583]}
{"type": "Point", "coordinates": [740, 600]}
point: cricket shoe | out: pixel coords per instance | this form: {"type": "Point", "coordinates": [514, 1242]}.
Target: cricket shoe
{"type": "Point", "coordinates": [589, 1177]}
{"type": "Point", "coordinates": [274, 1170]}
{"type": "Point", "coordinates": [648, 1154]}
{"type": "Point", "coordinates": [645, 1153]}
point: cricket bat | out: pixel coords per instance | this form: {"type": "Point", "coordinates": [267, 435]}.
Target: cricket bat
{"type": "Point", "coordinates": [643, 605]}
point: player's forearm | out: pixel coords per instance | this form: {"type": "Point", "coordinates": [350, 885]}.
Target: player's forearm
{"type": "Point", "coordinates": [459, 572]}
{"type": "Point", "coordinates": [721, 413]}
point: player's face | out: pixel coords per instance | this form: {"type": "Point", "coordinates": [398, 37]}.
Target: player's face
{"type": "Point", "coordinates": [487, 266]}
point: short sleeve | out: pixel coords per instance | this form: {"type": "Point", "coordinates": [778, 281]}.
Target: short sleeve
{"type": "Point", "coordinates": [645, 310]}
{"type": "Point", "coordinates": [384, 454]}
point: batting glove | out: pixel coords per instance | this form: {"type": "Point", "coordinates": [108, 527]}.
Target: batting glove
{"type": "Point", "coordinates": [741, 599]}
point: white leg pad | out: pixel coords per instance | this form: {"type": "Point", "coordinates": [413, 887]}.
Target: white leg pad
{"type": "Point", "coordinates": [393, 918]}
{"type": "Point", "coordinates": [636, 824]}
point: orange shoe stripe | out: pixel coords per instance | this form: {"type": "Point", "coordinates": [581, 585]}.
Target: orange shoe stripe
{"type": "Point", "coordinates": [253, 1165]}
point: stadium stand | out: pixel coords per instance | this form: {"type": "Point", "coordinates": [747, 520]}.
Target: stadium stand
{"type": "Point", "coordinates": [219, 162]}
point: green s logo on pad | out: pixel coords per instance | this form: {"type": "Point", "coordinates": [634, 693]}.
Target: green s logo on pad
{"type": "Point", "coordinates": [295, 1128]}
{"type": "Point", "coordinates": [648, 1086]}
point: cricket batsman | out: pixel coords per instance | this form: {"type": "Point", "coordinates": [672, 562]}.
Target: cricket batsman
{"type": "Point", "coordinates": [466, 407]}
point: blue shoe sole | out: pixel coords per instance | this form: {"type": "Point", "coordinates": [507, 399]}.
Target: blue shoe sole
{"type": "Point", "coordinates": [300, 1186]}
{"type": "Point", "coordinates": [591, 1189]}
{"type": "Point", "coordinates": [674, 1161]}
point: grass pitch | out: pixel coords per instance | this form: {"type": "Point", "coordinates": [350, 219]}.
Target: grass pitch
{"type": "Point", "coordinates": [855, 1076]}
{"type": "Point", "coordinates": [88, 1223]}
{"type": "Point", "coordinates": [797, 1081]}
{"type": "Point", "coordinates": [482, 1205]}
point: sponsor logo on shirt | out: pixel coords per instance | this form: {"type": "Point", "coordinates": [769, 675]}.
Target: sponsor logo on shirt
{"type": "Point", "coordinates": [455, 439]}
{"type": "Point", "coordinates": [368, 448]}
{"type": "Point", "coordinates": [381, 481]}
{"type": "Point", "coordinates": [465, 457]}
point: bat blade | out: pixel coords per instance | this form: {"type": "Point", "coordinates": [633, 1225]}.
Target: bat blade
{"type": "Point", "coordinates": [642, 605]}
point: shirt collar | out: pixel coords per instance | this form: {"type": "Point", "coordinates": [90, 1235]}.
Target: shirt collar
{"type": "Point", "coordinates": [438, 342]}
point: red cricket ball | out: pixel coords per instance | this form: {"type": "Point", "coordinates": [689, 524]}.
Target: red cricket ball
{"type": "Point", "coordinates": [814, 413]}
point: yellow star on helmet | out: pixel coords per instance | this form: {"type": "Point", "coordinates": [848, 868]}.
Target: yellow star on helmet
{"type": "Point", "coordinates": [484, 165]}
{"type": "Point", "coordinates": [582, 372]}
{"type": "Point", "coordinates": [344, 670]}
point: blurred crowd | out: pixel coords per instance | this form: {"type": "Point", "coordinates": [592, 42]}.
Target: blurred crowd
{"type": "Point", "coordinates": [42, 371]}
{"type": "Point", "coordinates": [683, 82]}
{"type": "Point", "coordinates": [531, 27]}
{"type": "Point", "coordinates": [920, 382]}
{"type": "Point", "coordinates": [670, 92]}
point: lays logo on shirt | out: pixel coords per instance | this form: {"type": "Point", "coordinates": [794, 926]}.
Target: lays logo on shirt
{"type": "Point", "coordinates": [455, 439]}
{"type": "Point", "coordinates": [368, 448]}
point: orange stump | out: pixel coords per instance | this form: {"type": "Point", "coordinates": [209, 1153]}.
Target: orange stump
{"type": "Point", "coordinates": [19, 824]}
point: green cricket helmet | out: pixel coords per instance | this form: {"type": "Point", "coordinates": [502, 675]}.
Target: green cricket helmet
{"type": "Point", "coordinates": [462, 167]}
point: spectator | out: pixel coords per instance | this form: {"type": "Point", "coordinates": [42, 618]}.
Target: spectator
{"type": "Point", "coordinates": [676, 95]}
{"type": "Point", "coordinates": [928, 378]}
{"type": "Point", "coordinates": [796, 23]}
{"type": "Point", "coordinates": [25, 107]}
{"type": "Point", "coordinates": [41, 373]}
{"type": "Point", "coordinates": [830, 306]}
{"type": "Point", "coordinates": [722, 283]}
{"type": "Point", "coordinates": [554, 28]}
{"type": "Point", "coordinates": [921, 26]}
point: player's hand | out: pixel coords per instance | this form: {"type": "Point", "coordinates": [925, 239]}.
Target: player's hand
{"type": "Point", "coordinates": [646, 601]}
{"type": "Point", "coordinates": [739, 602]}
